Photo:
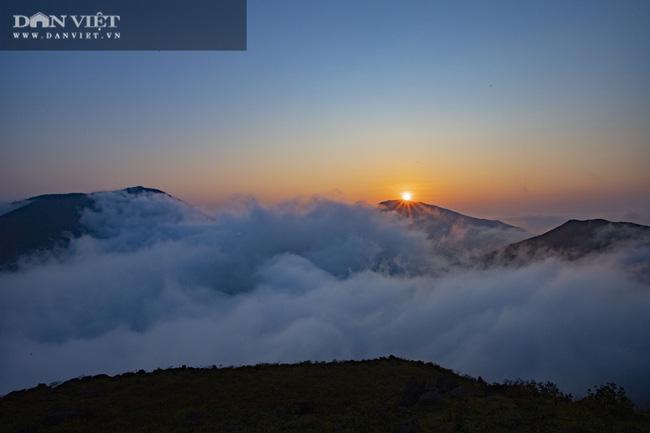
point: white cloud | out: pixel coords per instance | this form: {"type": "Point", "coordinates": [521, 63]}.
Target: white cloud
{"type": "Point", "coordinates": [162, 285]}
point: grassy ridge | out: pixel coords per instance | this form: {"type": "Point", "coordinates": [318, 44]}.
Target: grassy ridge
{"type": "Point", "coordinates": [384, 395]}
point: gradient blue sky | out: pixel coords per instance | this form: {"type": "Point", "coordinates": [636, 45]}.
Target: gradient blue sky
{"type": "Point", "coordinates": [493, 108]}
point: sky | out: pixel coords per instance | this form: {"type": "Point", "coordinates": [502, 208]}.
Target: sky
{"type": "Point", "coordinates": [491, 108]}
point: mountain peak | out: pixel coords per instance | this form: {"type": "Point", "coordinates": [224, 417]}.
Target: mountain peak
{"type": "Point", "coordinates": [47, 221]}
{"type": "Point", "coordinates": [421, 211]}
{"type": "Point", "coordinates": [455, 236]}
{"type": "Point", "coordinates": [572, 240]}
{"type": "Point", "coordinates": [590, 226]}
{"type": "Point", "coordinates": [591, 222]}
{"type": "Point", "coordinates": [416, 208]}
{"type": "Point", "coordinates": [142, 190]}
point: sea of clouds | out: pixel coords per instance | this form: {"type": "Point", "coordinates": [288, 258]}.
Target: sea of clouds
{"type": "Point", "coordinates": [161, 284]}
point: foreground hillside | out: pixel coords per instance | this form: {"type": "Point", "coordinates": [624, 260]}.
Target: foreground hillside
{"type": "Point", "coordinates": [384, 395]}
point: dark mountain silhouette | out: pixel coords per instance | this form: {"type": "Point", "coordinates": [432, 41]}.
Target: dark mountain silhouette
{"type": "Point", "coordinates": [436, 216]}
{"type": "Point", "coordinates": [143, 190]}
{"type": "Point", "coordinates": [572, 240]}
{"type": "Point", "coordinates": [47, 222]}
{"type": "Point", "coordinates": [460, 238]}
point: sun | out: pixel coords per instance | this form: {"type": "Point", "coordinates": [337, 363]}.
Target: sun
{"type": "Point", "coordinates": [407, 196]}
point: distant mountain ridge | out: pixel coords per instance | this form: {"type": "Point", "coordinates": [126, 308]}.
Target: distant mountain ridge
{"type": "Point", "coordinates": [69, 195]}
{"type": "Point", "coordinates": [457, 237]}
{"type": "Point", "coordinates": [46, 222]}
{"type": "Point", "coordinates": [420, 210]}
{"type": "Point", "coordinates": [571, 241]}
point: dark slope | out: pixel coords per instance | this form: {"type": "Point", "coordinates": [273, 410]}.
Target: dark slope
{"type": "Point", "coordinates": [457, 237]}
{"type": "Point", "coordinates": [572, 240]}
{"type": "Point", "coordinates": [442, 217]}
{"type": "Point", "coordinates": [385, 395]}
{"type": "Point", "coordinates": [46, 222]}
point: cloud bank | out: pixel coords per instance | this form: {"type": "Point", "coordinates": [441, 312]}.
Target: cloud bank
{"type": "Point", "coordinates": [160, 284]}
